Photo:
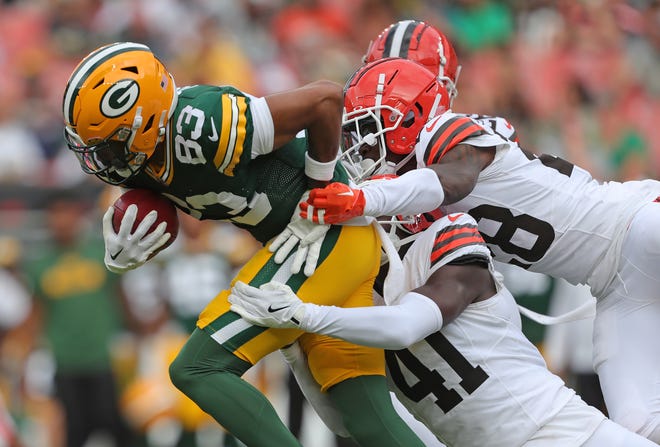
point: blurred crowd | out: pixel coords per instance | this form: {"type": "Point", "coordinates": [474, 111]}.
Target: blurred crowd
{"type": "Point", "coordinates": [577, 78]}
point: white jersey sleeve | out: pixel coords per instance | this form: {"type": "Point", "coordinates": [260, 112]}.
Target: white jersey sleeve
{"type": "Point", "coordinates": [443, 133]}
{"type": "Point", "coordinates": [478, 381]}
{"type": "Point", "coordinates": [406, 194]}
{"type": "Point", "coordinates": [263, 135]}
{"type": "Point", "coordinates": [451, 237]}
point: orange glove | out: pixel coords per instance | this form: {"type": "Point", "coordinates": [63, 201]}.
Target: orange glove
{"type": "Point", "coordinates": [333, 204]}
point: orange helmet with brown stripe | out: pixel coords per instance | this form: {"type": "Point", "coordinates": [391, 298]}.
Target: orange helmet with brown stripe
{"type": "Point", "coordinates": [422, 43]}
{"type": "Point", "coordinates": [116, 106]}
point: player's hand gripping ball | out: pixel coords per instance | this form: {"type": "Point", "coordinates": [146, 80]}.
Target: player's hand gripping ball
{"type": "Point", "coordinates": [146, 201]}
{"type": "Point", "coordinates": [138, 225]}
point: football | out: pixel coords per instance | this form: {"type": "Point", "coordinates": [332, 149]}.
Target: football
{"type": "Point", "coordinates": [146, 201]}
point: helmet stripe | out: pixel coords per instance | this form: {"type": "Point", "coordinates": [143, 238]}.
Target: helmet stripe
{"type": "Point", "coordinates": [90, 63]}
{"type": "Point", "coordinates": [398, 39]}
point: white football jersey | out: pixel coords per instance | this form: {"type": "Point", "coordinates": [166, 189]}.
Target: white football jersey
{"type": "Point", "coordinates": [478, 381]}
{"type": "Point", "coordinates": [539, 212]}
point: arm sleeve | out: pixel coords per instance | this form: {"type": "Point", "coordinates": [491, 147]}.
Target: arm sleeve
{"type": "Point", "coordinates": [416, 191]}
{"type": "Point", "coordinates": [398, 326]}
{"type": "Point", "coordinates": [263, 135]}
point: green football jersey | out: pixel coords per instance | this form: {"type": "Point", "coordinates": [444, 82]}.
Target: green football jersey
{"type": "Point", "coordinates": [208, 172]}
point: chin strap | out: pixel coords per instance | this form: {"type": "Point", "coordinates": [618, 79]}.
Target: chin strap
{"type": "Point", "coordinates": [400, 164]}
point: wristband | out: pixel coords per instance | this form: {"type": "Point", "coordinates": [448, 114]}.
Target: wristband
{"type": "Point", "coordinates": [319, 170]}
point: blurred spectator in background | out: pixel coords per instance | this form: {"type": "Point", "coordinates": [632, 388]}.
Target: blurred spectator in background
{"type": "Point", "coordinates": [480, 24]}
{"type": "Point", "coordinates": [8, 434]}
{"type": "Point", "coordinates": [15, 303]}
{"type": "Point", "coordinates": [78, 303]}
{"type": "Point", "coordinates": [21, 157]}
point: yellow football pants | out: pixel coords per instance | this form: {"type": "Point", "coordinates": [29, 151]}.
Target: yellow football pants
{"type": "Point", "coordinates": [345, 274]}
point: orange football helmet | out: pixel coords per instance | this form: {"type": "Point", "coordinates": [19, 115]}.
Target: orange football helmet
{"type": "Point", "coordinates": [116, 106]}
{"type": "Point", "coordinates": [422, 43]}
{"type": "Point", "coordinates": [386, 103]}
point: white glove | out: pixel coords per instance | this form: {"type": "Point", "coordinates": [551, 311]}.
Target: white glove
{"type": "Point", "coordinates": [297, 361]}
{"type": "Point", "coordinates": [309, 238]}
{"type": "Point", "coordinates": [125, 251]}
{"type": "Point", "coordinates": [272, 305]}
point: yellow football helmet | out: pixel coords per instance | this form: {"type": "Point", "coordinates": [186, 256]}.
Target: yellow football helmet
{"type": "Point", "coordinates": [116, 106]}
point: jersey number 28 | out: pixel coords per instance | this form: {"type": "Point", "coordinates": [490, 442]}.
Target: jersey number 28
{"type": "Point", "coordinates": [540, 232]}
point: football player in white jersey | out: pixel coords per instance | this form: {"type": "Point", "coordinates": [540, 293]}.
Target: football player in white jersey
{"type": "Point", "coordinates": [538, 212]}
{"type": "Point", "coordinates": [457, 357]}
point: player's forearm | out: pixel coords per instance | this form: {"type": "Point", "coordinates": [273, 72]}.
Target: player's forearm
{"type": "Point", "coordinates": [324, 116]}
{"type": "Point", "coordinates": [389, 327]}
{"type": "Point", "coordinates": [416, 191]}
{"type": "Point", "coordinates": [323, 133]}
{"type": "Point", "coordinates": [315, 108]}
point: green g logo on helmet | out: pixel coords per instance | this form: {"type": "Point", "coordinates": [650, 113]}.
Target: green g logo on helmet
{"type": "Point", "coordinates": [120, 98]}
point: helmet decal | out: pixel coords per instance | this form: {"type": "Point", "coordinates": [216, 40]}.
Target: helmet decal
{"type": "Point", "coordinates": [119, 98]}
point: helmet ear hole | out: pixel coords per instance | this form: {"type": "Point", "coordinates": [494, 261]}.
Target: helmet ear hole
{"type": "Point", "coordinates": [150, 122]}
{"type": "Point", "coordinates": [409, 119]}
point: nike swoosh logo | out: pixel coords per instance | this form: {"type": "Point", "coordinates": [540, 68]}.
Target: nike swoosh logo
{"type": "Point", "coordinates": [453, 217]}
{"type": "Point", "coordinates": [429, 127]}
{"type": "Point", "coordinates": [113, 257]}
{"type": "Point", "coordinates": [214, 134]}
{"type": "Point", "coordinates": [346, 193]}
{"type": "Point", "coordinates": [275, 309]}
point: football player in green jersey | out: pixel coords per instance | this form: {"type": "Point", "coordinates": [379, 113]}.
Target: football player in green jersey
{"type": "Point", "coordinates": [219, 153]}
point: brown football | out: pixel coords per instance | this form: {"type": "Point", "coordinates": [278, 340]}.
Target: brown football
{"type": "Point", "coordinates": [146, 201]}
